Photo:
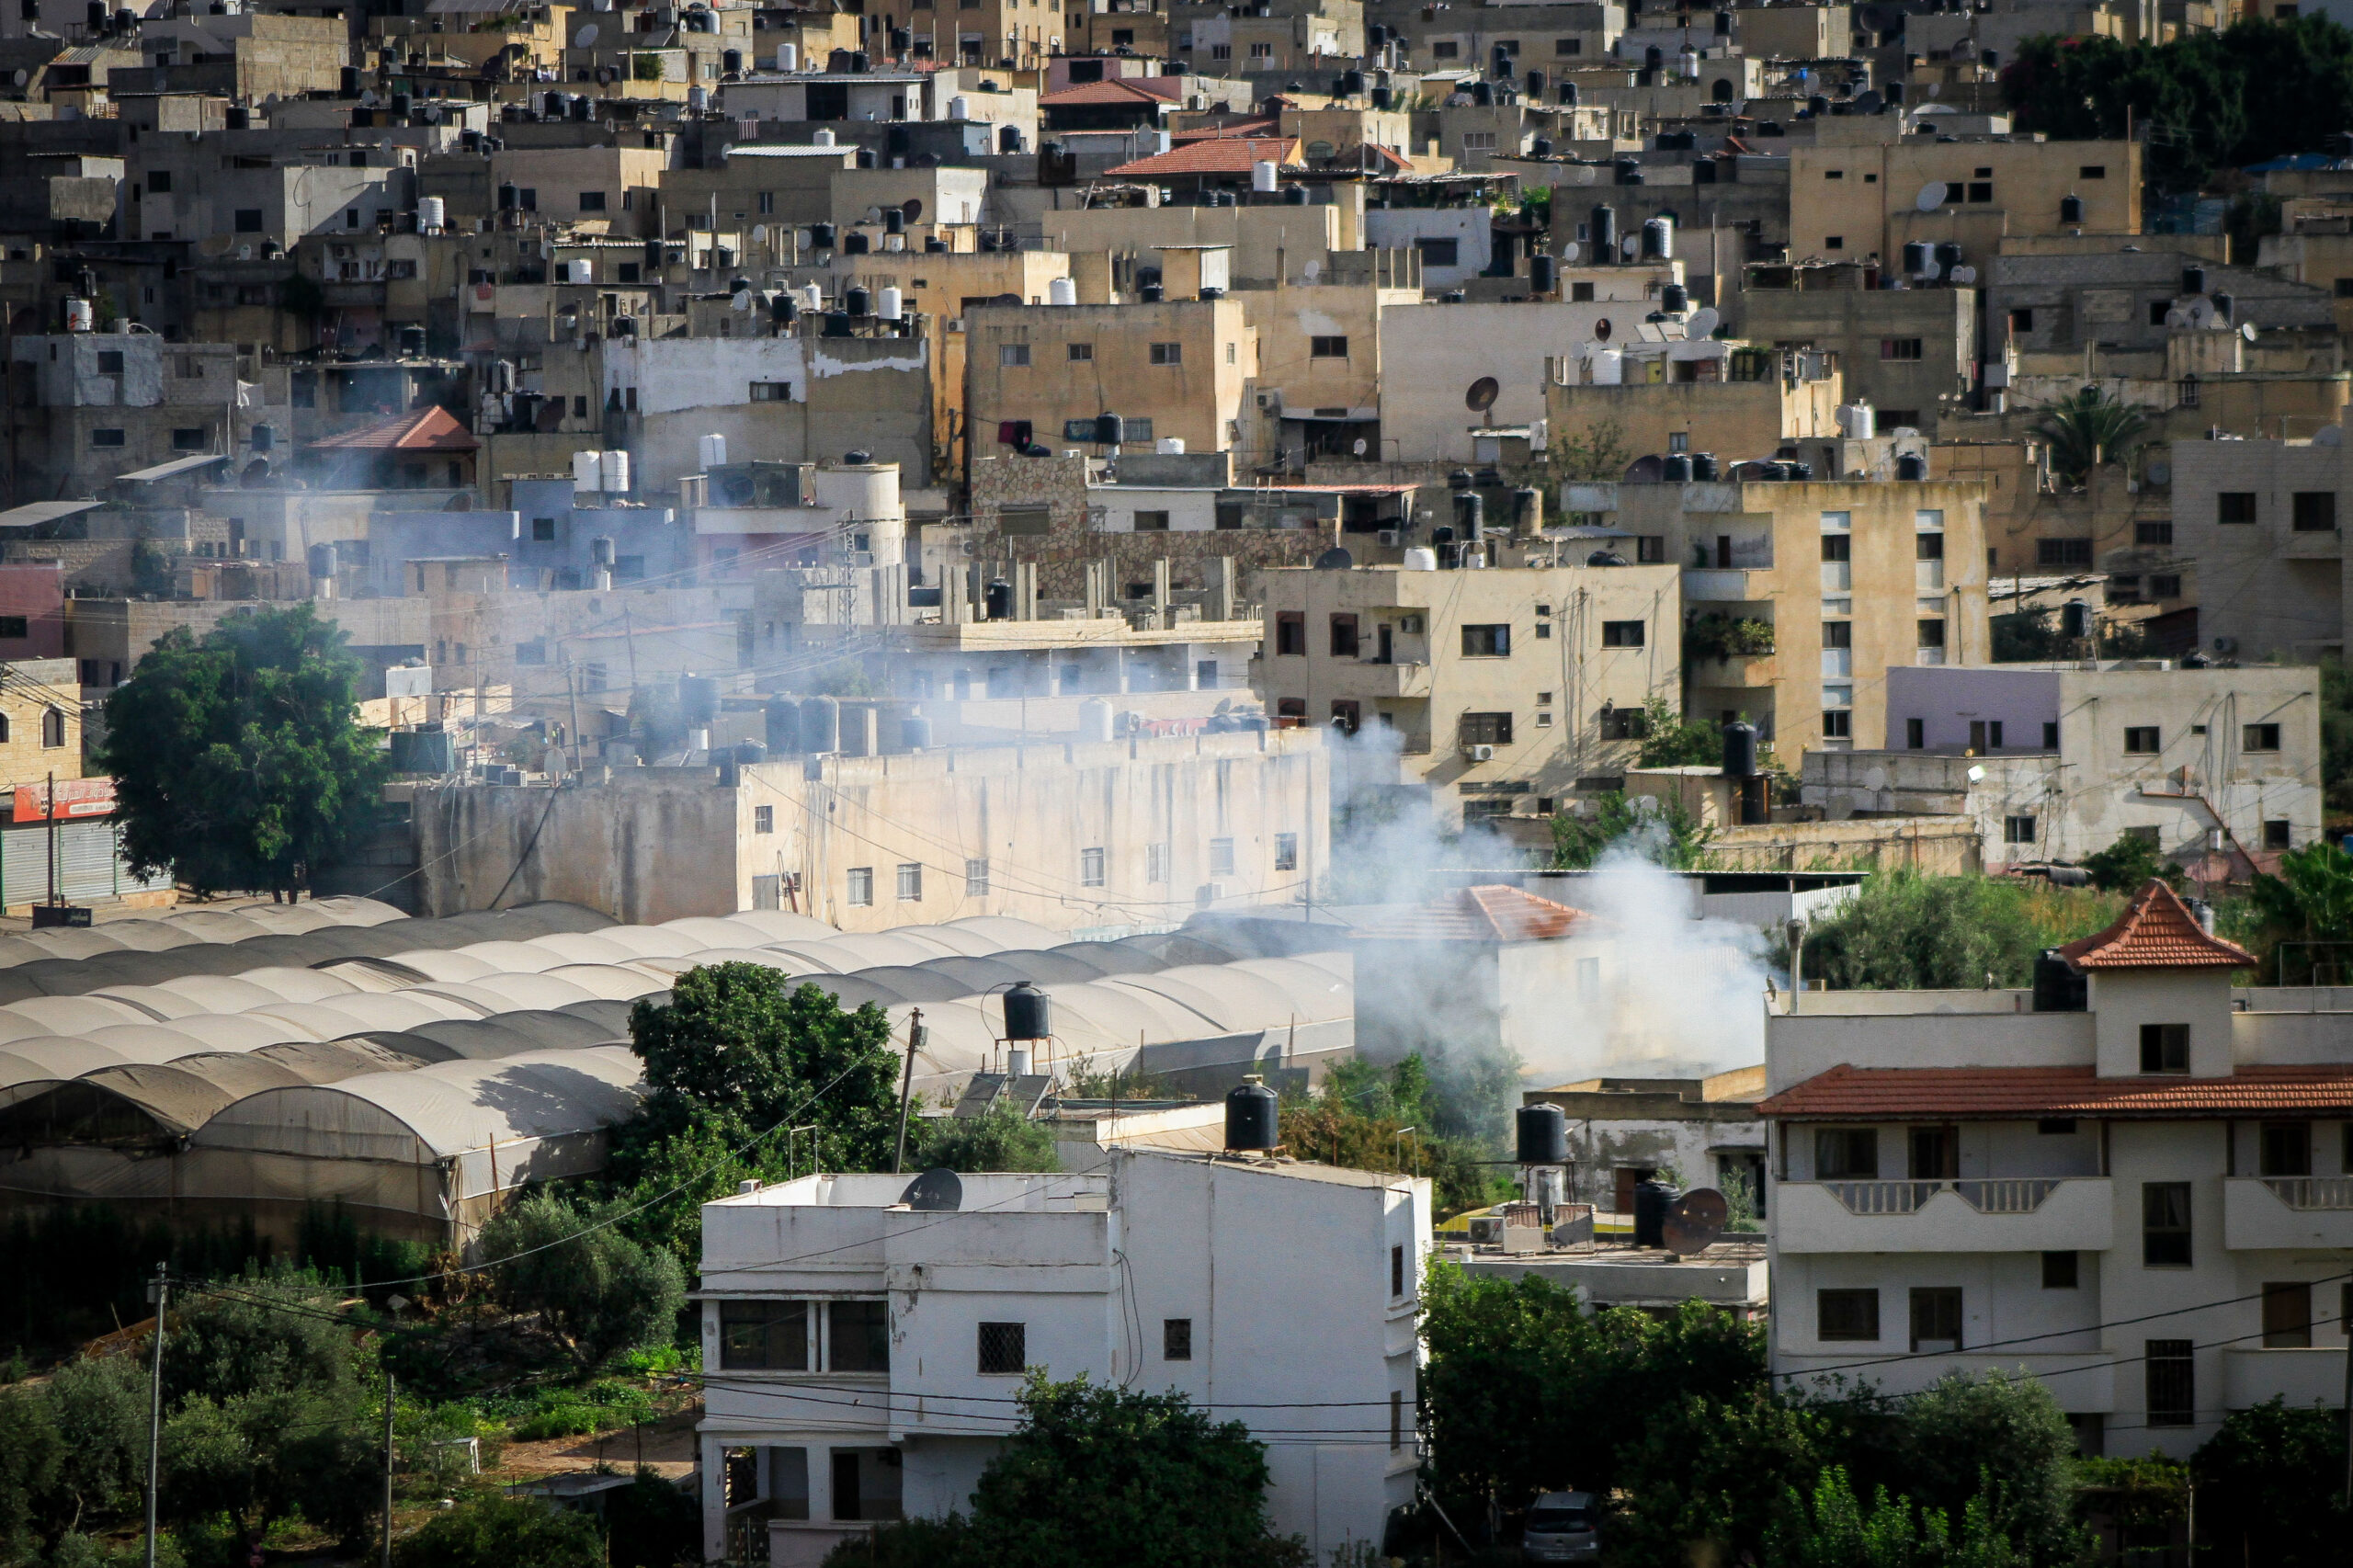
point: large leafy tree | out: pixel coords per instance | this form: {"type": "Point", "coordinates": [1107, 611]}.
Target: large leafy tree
{"type": "Point", "coordinates": [2270, 1486]}
{"type": "Point", "coordinates": [602, 1291]}
{"type": "Point", "coordinates": [491, 1531]}
{"type": "Point", "coordinates": [237, 757]}
{"type": "Point", "coordinates": [2087, 428]}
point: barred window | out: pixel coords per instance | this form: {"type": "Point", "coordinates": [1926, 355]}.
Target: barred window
{"type": "Point", "coordinates": [1003, 1349]}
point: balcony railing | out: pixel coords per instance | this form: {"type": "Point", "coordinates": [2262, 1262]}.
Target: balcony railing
{"type": "Point", "coordinates": [2005, 1195]}
{"type": "Point", "coordinates": [2310, 1193]}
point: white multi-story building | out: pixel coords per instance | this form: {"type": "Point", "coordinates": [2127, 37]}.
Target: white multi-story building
{"type": "Point", "coordinates": [2132, 1182]}
{"type": "Point", "coordinates": [863, 1357]}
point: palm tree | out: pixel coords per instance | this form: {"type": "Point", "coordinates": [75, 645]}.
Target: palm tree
{"type": "Point", "coordinates": [2088, 430]}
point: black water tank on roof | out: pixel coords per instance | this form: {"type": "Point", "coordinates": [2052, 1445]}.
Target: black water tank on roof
{"type": "Point", "coordinates": [1674, 469]}
{"type": "Point", "coordinates": [1542, 1134]}
{"type": "Point", "coordinates": [1911, 467]}
{"type": "Point", "coordinates": [698, 700]}
{"type": "Point", "coordinates": [1703, 466]}
{"type": "Point", "coordinates": [821, 724]}
{"type": "Point", "coordinates": [1028, 1015]}
{"type": "Point", "coordinates": [1653, 1198]}
{"type": "Point", "coordinates": [1250, 1119]}
{"type": "Point", "coordinates": [997, 600]}
{"type": "Point", "coordinates": [783, 716]}
{"type": "Point", "coordinates": [2058, 988]}
{"type": "Point", "coordinates": [1740, 750]}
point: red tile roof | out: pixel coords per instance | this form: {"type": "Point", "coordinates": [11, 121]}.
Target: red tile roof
{"type": "Point", "coordinates": [427, 430]}
{"type": "Point", "coordinates": [1214, 155]}
{"type": "Point", "coordinates": [2156, 931]}
{"type": "Point", "coordinates": [2011, 1094]}
{"type": "Point", "coordinates": [1238, 125]}
{"type": "Point", "coordinates": [1490, 912]}
{"type": "Point", "coordinates": [1125, 90]}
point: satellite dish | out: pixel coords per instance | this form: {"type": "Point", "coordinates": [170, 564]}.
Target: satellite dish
{"type": "Point", "coordinates": [1601, 329]}
{"type": "Point", "coordinates": [586, 38]}
{"type": "Point", "coordinates": [1358, 450]}
{"type": "Point", "coordinates": [23, 77]}
{"type": "Point", "coordinates": [1311, 270]}
{"type": "Point", "coordinates": [759, 233]}
{"type": "Point", "coordinates": [1875, 779]}
{"type": "Point", "coordinates": [1932, 197]}
{"type": "Point", "coordinates": [1964, 275]}
{"type": "Point", "coordinates": [2201, 312]}
{"type": "Point", "coordinates": [1976, 775]}
{"type": "Point", "coordinates": [368, 99]}
{"type": "Point", "coordinates": [1870, 103]}
{"type": "Point", "coordinates": [1703, 323]}
{"type": "Point", "coordinates": [937, 1191]}
{"type": "Point", "coordinates": [2177, 316]}
{"type": "Point", "coordinates": [2247, 330]}
{"type": "Point", "coordinates": [1571, 251]}
{"type": "Point", "coordinates": [1694, 1221]}
{"type": "Point", "coordinates": [1482, 394]}
{"type": "Point", "coordinates": [2326, 435]}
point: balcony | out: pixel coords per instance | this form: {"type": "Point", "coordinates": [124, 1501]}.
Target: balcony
{"type": "Point", "coordinates": [2299, 1377]}
{"type": "Point", "coordinates": [2261, 1213]}
{"type": "Point", "coordinates": [1371, 678]}
{"type": "Point", "coordinates": [1993, 1214]}
{"type": "Point", "coordinates": [1714, 585]}
{"type": "Point", "coordinates": [2314, 544]}
{"type": "Point", "coordinates": [1735, 670]}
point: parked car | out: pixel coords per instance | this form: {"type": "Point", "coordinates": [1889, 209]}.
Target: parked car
{"type": "Point", "coordinates": [1561, 1528]}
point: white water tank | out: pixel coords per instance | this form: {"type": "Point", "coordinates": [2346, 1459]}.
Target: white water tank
{"type": "Point", "coordinates": [1857, 422]}
{"type": "Point", "coordinates": [1170, 446]}
{"type": "Point", "coordinates": [614, 466]}
{"type": "Point", "coordinates": [79, 316]}
{"type": "Point", "coordinates": [697, 99]}
{"type": "Point", "coordinates": [713, 451]}
{"type": "Point", "coordinates": [821, 139]}
{"type": "Point", "coordinates": [1608, 368]}
{"type": "Point", "coordinates": [960, 108]}
{"type": "Point", "coordinates": [788, 57]}
{"type": "Point", "coordinates": [1061, 291]}
{"type": "Point", "coordinates": [887, 303]}
{"type": "Point", "coordinates": [1687, 63]}
{"type": "Point", "coordinates": [813, 298]}
{"type": "Point", "coordinates": [1094, 720]}
{"type": "Point", "coordinates": [432, 213]}
{"type": "Point", "coordinates": [586, 471]}
{"type": "Point", "coordinates": [1419, 558]}
{"type": "Point", "coordinates": [1263, 174]}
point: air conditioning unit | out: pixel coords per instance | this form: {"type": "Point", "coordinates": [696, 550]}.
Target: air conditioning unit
{"type": "Point", "coordinates": [1479, 754]}
{"type": "Point", "coordinates": [1410, 624]}
{"type": "Point", "coordinates": [955, 323]}
{"type": "Point", "coordinates": [2226, 644]}
{"type": "Point", "coordinates": [1270, 402]}
{"type": "Point", "coordinates": [1389, 538]}
{"type": "Point", "coordinates": [1209, 893]}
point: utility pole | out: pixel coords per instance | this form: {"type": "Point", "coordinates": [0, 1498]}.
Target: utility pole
{"type": "Point", "coordinates": [388, 1473]}
{"type": "Point", "coordinates": [906, 1089]}
{"type": "Point", "coordinates": [156, 1405]}
{"type": "Point", "coordinates": [629, 635]}
{"type": "Point", "coordinates": [571, 686]}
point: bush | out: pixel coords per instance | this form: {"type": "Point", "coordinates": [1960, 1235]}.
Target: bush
{"type": "Point", "coordinates": [2129, 865]}
{"type": "Point", "coordinates": [603, 1292]}
{"type": "Point", "coordinates": [1655, 830]}
{"type": "Point", "coordinates": [1003, 1140]}
{"type": "Point", "coordinates": [653, 1523]}
{"type": "Point", "coordinates": [1904, 931]}
{"type": "Point", "coordinates": [2270, 1486]}
{"type": "Point", "coordinates": [502, 1532]}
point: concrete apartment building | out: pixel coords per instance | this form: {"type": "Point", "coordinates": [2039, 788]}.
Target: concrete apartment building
{"type": "Point", "coordinates": [849, 1341]}
{"type": "Point", "coordinates": [109, 403]}
{"type": "Point", "coordinates": [2263, 521]}
{"type": "Point", "coordinates": [1852, 578]}
{"type": "Point", "coordinates": [2056, 294]}
{"type": "Point", "coordinates": [1909, 352]}
{"type": "Point", "coordinates": [1862, 189]}
{"type": "Point", "coordinates": [1173, 368]}
{"type": "Point", "coordinates": [1504, 690]}
{"type": "Point", "coordinates": [1666, 394]}
{"type": "Point", "coordinates": [2057, 762]}
{"type": "Point", "coordinates": [1071, 835]}
{"type": "Point", "coordinates": [2129, 1182]}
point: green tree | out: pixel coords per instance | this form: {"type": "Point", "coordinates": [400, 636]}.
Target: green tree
{"type": "Point", "coordinates": [2309, 902]}
{"type": "Point", "coordinates": [1717, 1472]}
{"type": "Point", "coordinates": [99, 1406]}
{"type": "Point", "coordinates": [260, 1334]}
{"type": "Point", "coordinates": [1903, 931]}
{"type": "Point", "coordinates": [2270, 1486]}
{"type": "Point", "coordinates": [1599, 453]}
{"type": "Point", "coordinates": [1998, 1442]}
{"type": "Point", "coordinates": [1669, 740]}
{"type": "Point", "coordinates": [602, 1291]}
{"type": "Point", "coordinates": [238, 760]}
{"type": "Point", "coordinates": [653, 1523]}
{"type": "Point", "coordinates": [2336, 736]}
{"type": "Point", "coordinates": [491, 1531]}
{"type": "Point", "coordinates": [2088, 429]}
{"type": "Point", "coordinates": [2129, 865]}
{"type": "Point", "coordinates": [260, 1458]}
{"type": "Point", "coordinates": [31, 1457]}
{"type": "Point", "coordinates": [1359, 1118]}
{"type": "Point", "coordinates": [1838, 1531]}
{"type": "Point", "coordinates": [1101, 1477]}
{"type": "Point", "coordinates": [1003, 1140]}
{"type": "Point", "coordinates": [1660, 831]}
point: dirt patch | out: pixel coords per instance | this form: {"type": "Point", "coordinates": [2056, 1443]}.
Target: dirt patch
{"type": "Point", "coordinates": [665, 1446]}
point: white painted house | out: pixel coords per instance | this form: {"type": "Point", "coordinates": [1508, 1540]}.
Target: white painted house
{"type": "Point", "coordinates": [863, 1357]}
{"type": "Point", "coordinates": [2141, 1192]}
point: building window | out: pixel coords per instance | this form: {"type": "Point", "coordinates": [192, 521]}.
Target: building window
{"type": "Point", "coordinates": [2278, 833]}
{"type": "Point", "coordinates": [2285, 1148]}
{"type": "Point", "coordinates": [861, 886]}
{"type": "Point", "coordinates": [2017, 830]}
{"type": "Point", "coordinates": [2152, 533]}
{"type": "Point", "coordinates": [1622, 633]}
{"type": "Point", "coordinates": [2234, 506]}
{"type": "Point", "coordinates": [14, 627]}
{"type": "Point", "coordinates": [592, 202]}
{"type": "Point", "coordinates": [1177, 1339]}
{"type": "Point", "coordinates": [1396, 1272]}
{"type": "Point", "coordinates": [105, 439]}
{"type": "Point", "coordinates": [1221, 857]}
{"type": "Point", "coordinates": [1396, 1420]}
{"type": "Point", "coordinates": [1899, 348]}
{"type": "Point", "coordinates": [1344, 636]}
{"type": "Point", "coordinates": [543, 530]}
{"type": "Point", "coordinates": [1167, 353]}
{"type": "Point", "coordinates": [1916, 734]}
{"type": "Point", "coordinates": [1081, 353]}
{"type": "Point", "coordinates": [781, 392]}
{"type": "Point", "coordinates": [2164, 1048]}
{"type": "Point", "coordinates": [1624, 724]}
{"type": "Point", "coordinates": [2170, 1382]}
{"type": "Point", "coordinates": [1440, 253]}
{"type": "Point", "coordinates": [1151, 522]}
{"type": "Point", "coordinates": [2288, 1316]}
{"type": "Point", "coordinates": [1290, 634]}
{"type": "Point", "coordinates": [2314, 511]}
{"type": "Point", "coordinates": [1936, 1320]}
{"type": "Point", "coordinates": [1846, 1153]}
{"type": "Point", "coordinates": [763, 819]}
{"type": "Point", "coordinates": [2260, 737]}
{"type": "Point", "coordinates": [770, 1337]}
{"type": "Point", "coordinates": [2140, 740]}
{"type": "Point", "coordinates": [858, 1337]}
{"type": "Point", "coordinates": [2061, 1270]}
{"type": "Point", "coordinates": [53, 728]}
{"type": "Point", "coordinates": [1845, 1315]}
{"type": "Point", "coordinates": [1487, 641]}
{"type": "Point", "coordinates": [1837, 724]}
{"type": "Point", "coordinates": [1286, 852]}
{"type": "Point", "coordinates": [2164, 1224]}
{"type": "Point", "coordinates": [1327, 349]}
{"type": "Point", "coordinates": [2063, 552]}
{"type": "Point", "coordinates": [1090, 867]}
{"type": "Point", "coordinates": [1833, 241]}
{"type": "Point", "coordinates": [1932, 634]}
{"type": "Point", "coordinates": [2164, 585]}
{"type": "Point", "coordinates": [1005, 1349]}
{"type": "Point", "coordinates": [1484, 729]}
{"type": "Point", "coordinates": [1011, 355]}
{"type": "Point", "coordinates": [910, 882]}
{"type": "Point", "coordinates": [976, 878]}
{"type": "Point", "coordinates": [1155, 862]}
{"type": "Point", "coordinates": [2022, 320]}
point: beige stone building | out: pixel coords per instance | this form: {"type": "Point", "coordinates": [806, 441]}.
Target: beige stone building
{"type": "Point", "coordinates": [1849, 579]}
{"type": "Point", "coordinates": [1499, 691]}
{"type": "Point", "coordinates": [1073, 836]}
{"type": "Point", "coordinates": [1910, 353]}
{"type": "Point", "coordinates": [1736, 401]}
{"type": "Point", "coordinates": [41, 722]}
{"type": "Point", "coordinates": [1178, 367]}
{"type": "Point", "coordinates": [1862, 189]}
